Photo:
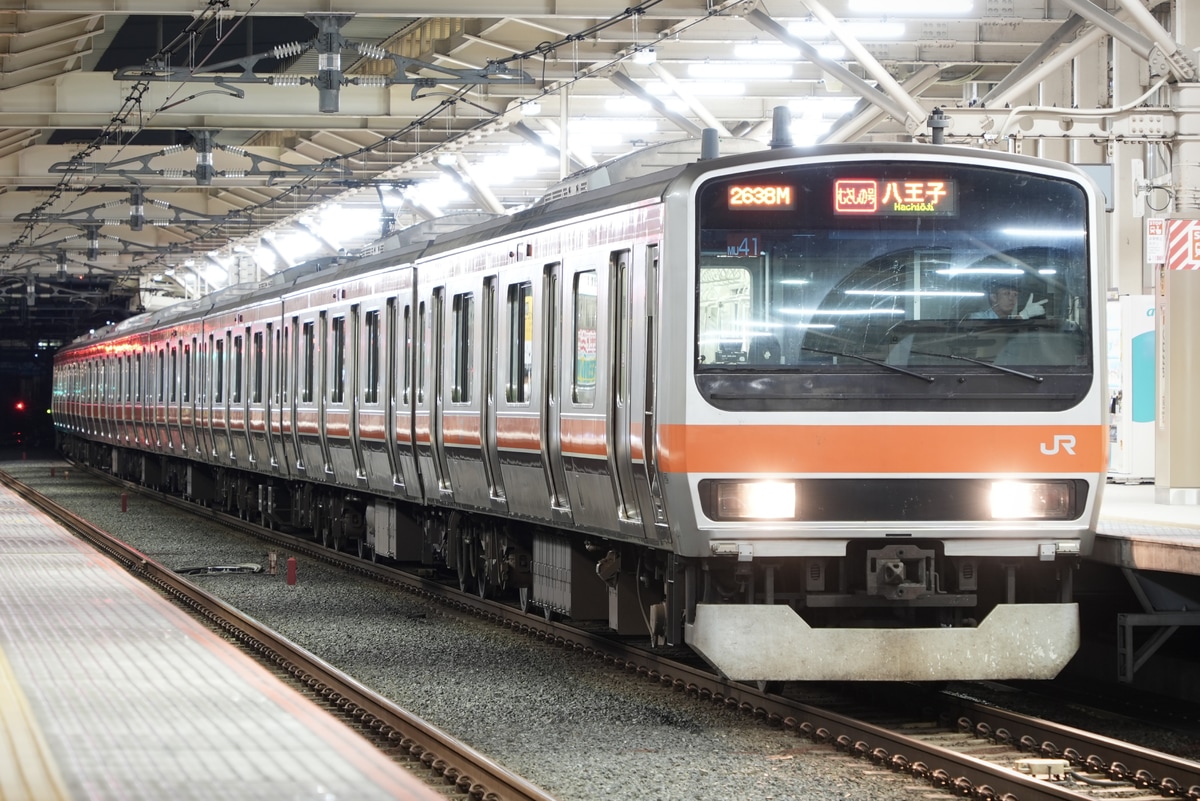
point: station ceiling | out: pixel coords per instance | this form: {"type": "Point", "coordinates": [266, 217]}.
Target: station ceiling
{"type": "Point", "coordinates": [176, 147]}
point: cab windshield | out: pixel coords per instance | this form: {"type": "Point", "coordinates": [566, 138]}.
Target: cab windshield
{"type": "Point", "coordinates": [872, 282]}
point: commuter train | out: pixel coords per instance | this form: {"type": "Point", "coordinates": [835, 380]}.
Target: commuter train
{"type": "Point", "coordinates": [760, 404]}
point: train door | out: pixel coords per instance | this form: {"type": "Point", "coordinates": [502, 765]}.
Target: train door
{"type": "Point", "coordinates": [175, 413]}
{"type": "Point", "coordinates": [437, 324]}
{"type": "Point", "coordinates": [488, 356]}
{"type": "Point", "coordinates": [552, 457]}
{"type": "Point", "coordinates": [355, 370]}
{"type": "Point", "coordinates": [322, 396]}
{"type": "Point", "coordinates": [220, 399]}
{"type": "Point", "coordinates": [401, 360]}
{"type": "Point", "coordinates": [126, 406]}
{"type": "Point", "coordinates": [391, 338]}
{"type": "Point", "coordinates": [624, 429]}
{"type": "Point", "coordinates": [187, 411]}
{"type": "Point", "coordinates": [270, 396]}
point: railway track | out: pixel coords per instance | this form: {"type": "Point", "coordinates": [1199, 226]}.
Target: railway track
{"type": "Point", "coordinates": [965, 748]}
{"type": "Point", "coordinates": [430, 754]}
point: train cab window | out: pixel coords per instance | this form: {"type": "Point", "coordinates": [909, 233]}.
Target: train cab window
{"type": "Point", "coordinates": [337, 390]}
{"type": "Point", "coordinates": [520, 342]}
{"type": "Point", "coordinates": [256, 369]}
{"type": "Point", "coordinates": [371, 368]}
{"type": "Point", "coordinates": [823, 285]}
{"type": "Point", "coordinates": [583, 371]}
{"type": "Point", "coordinates": [308, 361]}
{"type": "Point", "coordinates": [464, 313]}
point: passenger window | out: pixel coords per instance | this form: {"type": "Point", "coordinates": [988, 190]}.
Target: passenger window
{"type": "Point", "coordinates": [583, 378]}
{"type": "Point", "coordinates": [256, 388]}
{"type": "Point", "coordinates": [520, 342]}
{"type": "Point", "coordinates": [460, 391]}
{"type": "Point", "coordinates": [219, 372]}
{"type": "Point", "coordinates": [236, 377]}
{"type": "Point", "coordinates": [187, 373]}
{"type": "Point", "coordinates": [309, 362]}
{"type": "Point", "coordinates": [371, 379]}
{"type": "Point", "coordinates": [338, 390]}
{"type": "Point", "coordinates": [421, 352]}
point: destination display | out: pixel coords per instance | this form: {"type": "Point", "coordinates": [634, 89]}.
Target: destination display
{"type": "Point", "coordinates": [893, 198]}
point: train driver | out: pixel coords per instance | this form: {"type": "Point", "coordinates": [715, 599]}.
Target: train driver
{"type": "Point", "coordinates": [1004, 293]}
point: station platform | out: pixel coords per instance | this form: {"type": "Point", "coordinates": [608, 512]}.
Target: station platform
{"type": "Point", "coordinates": [108, 691]}
{"type": "Point", "coordinates": [1135, 532]}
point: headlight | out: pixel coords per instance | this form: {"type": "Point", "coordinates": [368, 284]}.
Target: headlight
{"type": "Point", "coordinates": [756, 500]}
{"type": "Point", "coordinates": [1012, 500]}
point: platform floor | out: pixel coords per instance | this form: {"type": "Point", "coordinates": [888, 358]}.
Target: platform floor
{"type": "Point", "coordinates": [108, 691]}
{"type": "Point", "coordinates": [1136, 532]}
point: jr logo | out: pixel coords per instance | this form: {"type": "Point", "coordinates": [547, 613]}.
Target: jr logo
{"type": "Point", "coordinates": [1063, 442]}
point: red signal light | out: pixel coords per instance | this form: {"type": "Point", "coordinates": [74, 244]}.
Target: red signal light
{"type": "Point", "coordinates": [20, 406]}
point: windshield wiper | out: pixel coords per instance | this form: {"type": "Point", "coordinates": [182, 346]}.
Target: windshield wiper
{"type": "Point", "coordinates": [1036, 378]}
{"type": "Point", "coordinates": [894, 368]}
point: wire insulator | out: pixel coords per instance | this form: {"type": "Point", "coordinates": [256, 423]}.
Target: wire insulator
{"type": "Point", "coordinates": [377, 81]}
{"type": "Point", "coordinates": [371, 50]}
{"type": "Point", "coordinates": [288, 50]}
{"type": "Point", "coordinates": [287, 80]}
{"type": "Point", "coordinates": [233, 173]}
{"type": "Point", "coordinates": [162, 204]}
{"type": "Point", "coordinates": [173, 173]}
{"type": "Point", "coordinates": [235, 150]}
{"type": "Point", "coordinates": [166, 151]}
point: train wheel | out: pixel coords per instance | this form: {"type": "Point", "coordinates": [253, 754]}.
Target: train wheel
{"type": "Point", "coordinates": [364, 550]}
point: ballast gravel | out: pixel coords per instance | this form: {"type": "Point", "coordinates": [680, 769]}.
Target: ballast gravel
{"type": "Point", "coordinates": [577, 729]}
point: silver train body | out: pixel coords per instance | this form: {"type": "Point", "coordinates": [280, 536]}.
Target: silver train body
{"type": "Point", "coordinates": [756, 404]}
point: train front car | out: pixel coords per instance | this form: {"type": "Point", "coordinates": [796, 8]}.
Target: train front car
{"type": "Point", "coordinates": [890, 437]}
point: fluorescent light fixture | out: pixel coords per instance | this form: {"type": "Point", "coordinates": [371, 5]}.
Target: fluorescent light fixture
{"type": "Point", "coordinates": [911, 293]}
{"type": "Point", "coordinates": [720, 71]}
{"type": "Point", "coordinates": [979, 271]}
{"type": "Point", "coordinates": [597, 126]}
{"type": "Point", "coordinates": [862, 31]}
{"type": "Point", "coordinates": [645, 56]}
{"type": "Point", "coordinates": [838, 312]}
{"type": "Point", "coordinates": [713, 88]}
{"type": "Point", "coordinates": [765, 51]}
{"type": "Point", "coordinates": [627, 105]}
{"type": "Point", "coordinates": [1044, 233]}
{"type": "Point", "coordinates": [818, 106]}
{"type": "Point", "coordinates": [923, 7]}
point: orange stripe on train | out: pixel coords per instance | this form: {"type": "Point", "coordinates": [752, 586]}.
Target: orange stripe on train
{"type": "Point", "coordinates": [883, 449]}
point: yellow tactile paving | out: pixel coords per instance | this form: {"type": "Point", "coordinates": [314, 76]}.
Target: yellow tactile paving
{"type": "Point", "coordinates": [28, 771]}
